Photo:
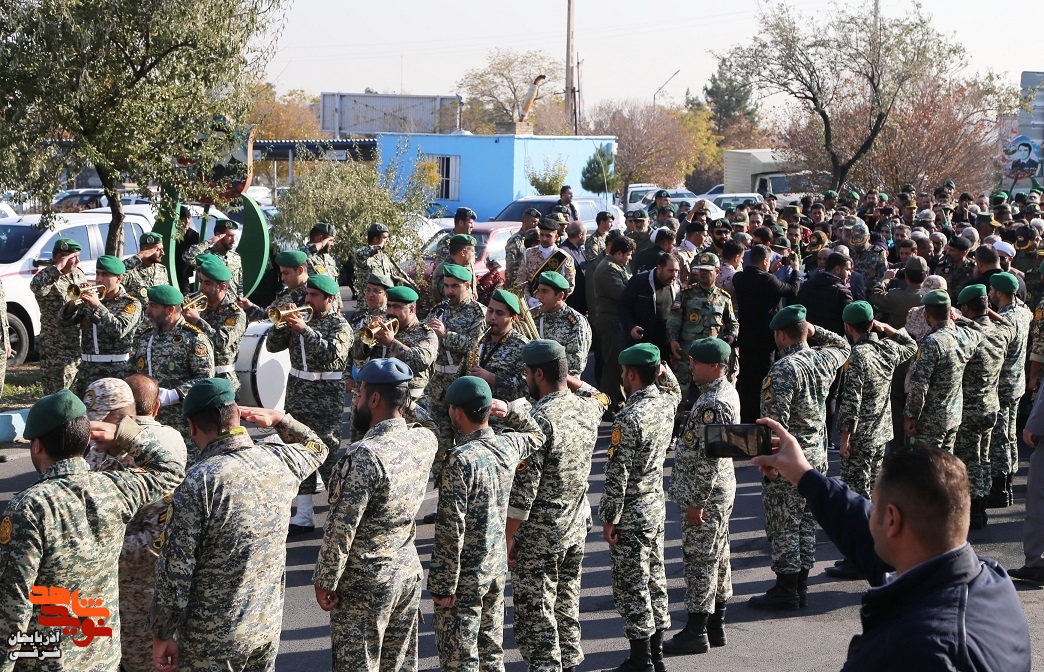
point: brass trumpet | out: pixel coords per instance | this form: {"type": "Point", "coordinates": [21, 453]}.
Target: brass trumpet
{"type": "Point", "coordinates": [75, 292]}
{"type": "Point", "coordinates": [195, 301]}
{"type": "Point", "coordinates": [278, 316]}
{"type": "Point", "coordinates": [368, 334]}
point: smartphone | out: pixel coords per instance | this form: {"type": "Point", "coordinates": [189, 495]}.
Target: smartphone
{"type": "Point", "coordinates": [737, 441]}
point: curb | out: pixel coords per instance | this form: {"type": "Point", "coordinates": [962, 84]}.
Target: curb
{"type": "Point", "coordinates": [12, 423]}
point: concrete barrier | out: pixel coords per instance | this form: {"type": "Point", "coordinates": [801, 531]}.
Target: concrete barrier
{"type": "Point", "coordinates": [12, 423]}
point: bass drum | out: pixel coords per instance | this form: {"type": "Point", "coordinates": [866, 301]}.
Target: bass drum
{"type": "Point", "coordinates": [262, 374]}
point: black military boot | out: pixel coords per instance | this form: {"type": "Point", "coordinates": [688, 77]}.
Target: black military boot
{"type": "Point", "coordinates": [977, 519]}
{"type": "Point", "coordinates": [802, 588]}
{"type": "Point", "coordinates": [693, 639]}
{"type": "Point", "coordinates": [716, 625]}
{"type": "Point", "coordinates": [656, 651]}
{"type": "Point", "coordinates": [641, 657]}
{"type": "Point", "coordinates": [998, 497]}
{"type": "Point", "coordinates": [1009, 488]}
{"type": "Point", "coordinates": [781, 597]}
{"type": "Point", "coordinates": [845, 571]}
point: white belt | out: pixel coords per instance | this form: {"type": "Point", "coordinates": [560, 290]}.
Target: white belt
{"type": "Point", "coordinates": [227, 368]}
{"type": "Point", "coordinates": [446, 368]}
{"type": "Point", "coordinates": [416, 393]}
{"type": "Point", "coordinates": [106, 358]}
{"type": "Point", "coordinates": [312, 375]}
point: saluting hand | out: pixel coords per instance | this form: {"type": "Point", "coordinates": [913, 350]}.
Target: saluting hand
{"type": "Point", "coordinates": [262, 417]}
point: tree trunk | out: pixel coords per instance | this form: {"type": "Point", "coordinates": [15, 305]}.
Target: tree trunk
{"type": "Point", "coordinates": [114, 241]}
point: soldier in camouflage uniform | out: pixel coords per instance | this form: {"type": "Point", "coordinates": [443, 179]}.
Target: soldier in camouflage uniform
{"type": "Point", "coordinates": [870, 260]}
{"type": "Point", "coordinates": [220, 245]}
{"type": "Point", "coordinates": [107, 325]}
{"type": "Point", "coordinates": [457, 322]}
{"type": "Point", "coordinates": [546, 256]}
{"type": "Point", "coordinates": [794, 394]}
{"type": "Point", "coordinates": [320, 352]}
{"type": "Point", "coordinates": [594, 244]}
{"type": "Point", "coordinates": [468, 556]}
{"type": "Point", "coordinates": [496, 356]}
{"type": "Point", "coordinates": [981, 402]}
{"type": "Point", "coordinates": [319, 247]}
{"type": "Point", "coordinates": [558, 322]}
{"type": "Point", "coordinates": [144, 269]}
{"type": "Point", "coordinates": [294, 274]}
{"type": "Point", "coordinates": [371, 258]}
{"type": "Point", "coordinates": [1004, 450]}
{"type": "Point", "coordinates": [705, 490]}
{"type": "Point", "coordinates": [515, 246]}
{"type": "Point", "coordinates": [222, 320]}
{"type": "Point", "coordinates": [1027, 260]}
{"type": "Point", "coordinates": [414, 343]}
{"type": "Point", "coordinates": [641, 235]}
{"type": "Point", "coordinates": [548, 513]}
{"type": "Point", "coordinates": [632, 506]}
{"type": "Point", "coordinates": [933, 402]}
{"type": "Point", "coordinates": [174, 353]}
{"type": "Point", "coordinates": [368, 574]}
{"type": "Point", "coordinates": [59, 344]}
{"type": "Point", "coordinates": [956, 267]}
{"type": "Point", "coordinates": [66, 531]}
{"type": "Point", "coordinates": [460, 252]}
{"type": "Point", "coordinates": [222, 567]}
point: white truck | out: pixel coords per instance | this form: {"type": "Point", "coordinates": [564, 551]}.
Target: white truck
{"type": "Point", "coordinates": [764, 171]}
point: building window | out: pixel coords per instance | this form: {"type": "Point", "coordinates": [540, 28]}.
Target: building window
{"type": "Point", "coordinates": [449, 172]}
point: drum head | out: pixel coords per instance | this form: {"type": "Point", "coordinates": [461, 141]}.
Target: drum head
{"type": "Point", "coordinates": [262, 374]}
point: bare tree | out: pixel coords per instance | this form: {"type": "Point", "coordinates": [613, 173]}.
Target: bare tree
{"type": "Point", "coordinates": [497, 91]}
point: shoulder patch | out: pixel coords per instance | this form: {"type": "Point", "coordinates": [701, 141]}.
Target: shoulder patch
{"type": "Point", "coordinates": [130, 308]}
{"type": "Point", "coordinates": [201, 350]}
{"type": "Point", "coordinates": [522, 466]}
{"type": "Point", "coordinates": [603, 399]}
{"type": "Point", "coordinates": [616, 437]}
{"type": "Point", "coordinates": [689, 437]}
{"type": "Point", "coordinates": [313, 447]}
{"type": "Point", "coordinates": [708, 416]}
{"type": "Point", "coordinates": [89, 399]}
{"type": "Point", "coordinates": [6, 527]}
{"type": "Point", "coordinates": [144, 292]}
{"type": "Point", "coordinates": [320, 268]}
{"type": "Point", "coordinates": [140, 363]}
{"type": "Point", "coordinates": [767, 398]}
{"type": "Point", "coordinates": [767, 383]}
{"type": "Point", "coordinates": [230, 321]}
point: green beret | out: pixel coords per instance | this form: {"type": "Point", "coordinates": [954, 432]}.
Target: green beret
{"type": "Point", "coordinates": [553, 279]}
{"type": "Point", "coordinates": [216, 270]}
{"type": "Point", "coordinates": [150, 239]}
{"type": "Point", "coordinates": [402, 294]}
{"type": "Point", "coordinates": [207, 393]}
{"type": "Point", "coordinates": [223, 225]}
{"type": "Point", "coordinates": [376, 228]}
{"type": "Point", "coordinates": [829, 193]}
{"type": "Point", "coordinates": [508, 299]}
{"type": "Point", "coordinates": [532, 212]}
{"type": "Point", "coordinates": [324, 228]}
{"type": "Point", "coordinates": [971, 292]}
{"type": "Point", "coordinates": [205, 257]}
{"type": "Point", "coordinates": [643, 354]}
{"type": "Point", "coordinates": [542, 351]}
{"type": "Point", "coordinates": [111, 264]}
{"type": "Point", "coordinates": [787, 317]}
{"type": "Point", "coordinates": [65, 245]}
{"type": "Point", "coordinates": [291, 259]}
{"type": "Point", "coordinates": [51, 412]}
{"type": "Point", "coordinates": [461, 239]}
{"type": "Point", "coordinates": [324, 283]}
{"type": "Point", "coordinates": [883, 197]}
{"type": "Point", "coordinates": [458, 272]}
{"type": "Point", "coordinates": [1004, 282]}
{"type": "Point", "coordinates": [710, 351]}
{"type": "Point", "coordinates": [387, 371]}
{"type": "Point", "coordinates": [641, 214]}
{"type": "Point", "coordinates": [857, 312]}
{"type": "Point", "coordinates": [936, 297]}
{"type": "Point", "coordinates": [380, 280]}
{"type": "Point", "coordinates": [165, 295]}
{"type": "Point", "coordinates": [470, 393]}
{"type": "Point", "coordinates": [547, 224]}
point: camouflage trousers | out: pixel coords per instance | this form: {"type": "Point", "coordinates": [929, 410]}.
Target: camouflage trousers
{"type": "Point", "coordinates": [973, 448]}
{"type": "Point", "coordinates": [1004, 445]}
{"type": "Point", "coordinates": [705, 549]}
{"type": "Point", "coordinates": [859, 470]}
{"type": "Point", "coordinates": [930, 435]}
{"type": "Point", "coordinates": [198, 657]}
{"type": "Point", "coordinates": [377, 631]}
{"type": "Point", "coordinates": [790, 527]}
{"type": "Point", "coordinates": [640, 582]}
{"type": "Point", "coordinates": [470, 634]}
{"type": "Point", "coordinates": [546, 587]}
{"type": "Point", "coordinates": [58, 367]}
{"type": "Point", "coordinates": [137, 582]}
{"type": "Point", "coordinates": [612, 343]}
{"type": "Point", "coordinates": [319, 404]}
{"type": "Point", "coordinates": [88, 372]}
{"type": "Point", "coordinates": [439, 413]}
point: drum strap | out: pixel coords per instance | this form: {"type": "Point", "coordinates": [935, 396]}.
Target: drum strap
{"type": "Point", "coordinates": [94, 328]}
{"type": "Point", "coordinates": [304, 359]}
{"type": "Point", "coordinates": [148, 353]}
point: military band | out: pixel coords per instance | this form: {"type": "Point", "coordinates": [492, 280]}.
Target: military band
{"type": "Point", "coordinates": [221, 319]}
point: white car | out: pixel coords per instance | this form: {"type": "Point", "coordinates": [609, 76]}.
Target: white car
{"type": "Point", "coordinates": [24, 249]}
{"type": "Point", "coordinates": [6, 210]}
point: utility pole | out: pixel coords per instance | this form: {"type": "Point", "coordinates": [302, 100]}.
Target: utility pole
{"type": "Point", "coordinates": [663, 85]}
{"type": "Point", "coordinates": [570, 85]}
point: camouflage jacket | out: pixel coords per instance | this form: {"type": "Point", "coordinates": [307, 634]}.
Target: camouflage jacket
{"type": "Point", "coordinates": [464, 323]}
{"type": "Point", "coordinates": [438, 278]}
{"type": "Point", "coordinates": [50, 287]}
{"type": "Point", "coordinates": [221, 570]}
{"type": "Point", "coordinates": [375, 492]}
{"type": "Point", "coordinates": [1012, 383]}
{"type": "Point", "coordinates": [324, 346]}
{"type": "Point", "coordinates": [1036, 334]}
{"type": "Point", "coordinates": [700, 313]}
{"type": "Point", "coordinates": [698, 480]}
{"type": "Point", "coordinates": [417, 346]}
{"type": "Point", "coordinates": [569, 328]}
{"type": "Point", "coordinates": [514, 248]}
{"type": "Point", "coordinates": [366, 260]}
{"type": "Point", "coordinates": [231, 259]}
{"type": "Point", "coordinates": [469, 550]}
{"type": "Point", "coordinates": [66, 532]}
{"type": "Point", "coordinates": [549, 493]}
{"type": "Point", "coordinates": [633, 498]}
{"type": "Point", "coordinates": [795, 390]}
{"type": "Point", "coordinates": [872, 262]}
{"type": "Point", "coordinates": [140, 277]}
{"type": "Point", "coordinates": [594, 246]}
{"type": "Point", "coordinates": [956, 276]}
{"type": "Point", "coordinates": [936, 373]}
{"type": "Point", "coordinates": [533, 260]}
{"type": "Point", "coordinates": [175, 358]}
{"type": "Point", "coordinates": [224, 325]}
{"type": "Point", "coordinates": [503, 359]}
{"type": "Point", "coordinates": [865, 404]}
{"type": "Point", "coordinates": [982, 373]}
{"type": "Point", "coordinates": [320, 263]}
{"type": "Point", "coordinates": [108, 329]}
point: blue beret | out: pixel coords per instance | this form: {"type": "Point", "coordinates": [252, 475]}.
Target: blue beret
{"type": "Point", "coordinates": [643, 354]}
{"type": "Point", "coordinates": [470, 393]}
{"type": "Point", "coordinates": [324, 283]}
{"type": "Point", "coordinates": [207, 393]}
{"type": "Point", "coordinates": [51, 412]}
{"type": "Point", "coordinates": [542, 351]}
{"type": "Point", "coordinates": [387, 371]}
{"type": "Point", "coordinates": [787, 317]}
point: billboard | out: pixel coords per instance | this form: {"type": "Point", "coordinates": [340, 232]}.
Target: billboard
{"type": "Point", "coordinates": [354, 113]}
{"type": "Point", "coordinates": [1021, 139]}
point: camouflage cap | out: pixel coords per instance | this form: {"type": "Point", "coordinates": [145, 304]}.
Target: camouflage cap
{"type": "Point", "coordinates": [50, 412]}
{"type": "Point", "coordinates": [106, 395]}
{"type": "Point", "coordinates": [708, 261]}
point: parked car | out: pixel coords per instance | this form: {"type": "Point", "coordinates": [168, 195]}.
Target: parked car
{"type": "Point", "coordinates": [636, 192]}
{"type": "Point", "coordinates": [6, 210]}
{"type": "Point", "coordinates": [732, 200]}
{"type": "Point", "coordinates": [76, 200]}
{"type": "Point", "coordinates": [586, 208]}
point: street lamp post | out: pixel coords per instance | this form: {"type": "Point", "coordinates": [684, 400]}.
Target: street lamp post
{"type": "Point", "coordinates": [663, 85]}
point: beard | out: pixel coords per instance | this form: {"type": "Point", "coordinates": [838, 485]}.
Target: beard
{"type": "Point", "coordinates": [534, 391]}
{"type": "Point", "coordinates": [361, 419]}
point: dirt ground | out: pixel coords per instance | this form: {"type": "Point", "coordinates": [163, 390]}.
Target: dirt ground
{"type": "Point", "coordinates": [21, 386]}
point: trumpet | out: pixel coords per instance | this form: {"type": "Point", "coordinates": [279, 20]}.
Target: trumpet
{"type": "Point", "coordinates": [278, 316]}
{"type": "Point", "coordinates": [195, 301]}
{"type": "Point", "coordinates": [368, 334]}
{"type": "Point", "coordinates": [75, 292]}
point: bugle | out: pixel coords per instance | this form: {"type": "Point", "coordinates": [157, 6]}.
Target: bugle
{"type": "Point", "coordinates": [75, 292]}
{"type": "Point", "coordinates": [368, 334]}
{"type": "Point", "coordinates": [195, 301]}
{"type": "Point", "coordinates": [278, 316]}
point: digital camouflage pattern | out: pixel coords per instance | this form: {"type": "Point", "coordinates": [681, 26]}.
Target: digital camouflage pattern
{"type": "Point", "coordinates": [325, 345]}
{"type": "Point", "coordinates": [934, 397]}
{"type": "Point", "coordinates": [368, 555]}
{"type": "Point", "coordinates": [594, 245]}
{"type": "Point", "coordinates": [871, 261]}
{"type": "Point", "coordinates": [224, 325]}
{"type": "Point", "coordinates": [323, 263]}
{"type": "Point", "coordinates": [417, 347]}
{"type": "Point", "coordinates": [222, 565]}
{"type": "Point", "coordinates": [503, 358]}
{"type": "Point", "coordinates": [549, 496]}
{"type": "Point", "coordinates": [366, 260]}
{"type": "Point", "coordinates": [707, 483]}
{"type": "Point", "coordinates": [108, 329]}
{"type": "Point", "coordinates": [468, 555]}
{"type": "Point", "coordinates": [633, 500]}
{"type": "Point", "coordinates": [865, 408]}
{"type": "Point", "coordinates": [230, 258]}
{"type": "Point", "coordinates": [140, 277]}
{"type": "Point", "coordinates": [533, 261]}
{"type": "Point", "coordinates": [438, 279]}
{"type": "Point", "coordinates": [59, 344]}
{"type": "Point", "coordinates": [1004, 448]}
{"type": "Point", "coordinates": [66, 531]}
{"type": "Point", "coordinates": [956, 275]}
{"type": "Point", "coordinates": [571, 329]}
{"type": "Point", "coordinates": [794, 394]}
{"type": "Point", "coordinates": [699, 313]}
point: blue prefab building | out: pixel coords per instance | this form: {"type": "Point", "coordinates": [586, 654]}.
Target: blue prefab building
{"type": "Point", "coordinates": [486, 172]}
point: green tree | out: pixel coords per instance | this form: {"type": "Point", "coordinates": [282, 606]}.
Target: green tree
{"type": "Point", "coordinates": [126, 86]}
{"type": "Point", "coordinates": [548, 180]}
{"type": "Point", "coordinates": [729, 97]}
{"type": "Point", "coordinates": [497, 91]}
{"type": "Point", "coordinates": [598, 175]}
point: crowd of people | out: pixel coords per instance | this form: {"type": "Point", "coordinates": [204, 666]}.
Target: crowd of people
{"type": "Point", "coordinates": [898, 333]}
